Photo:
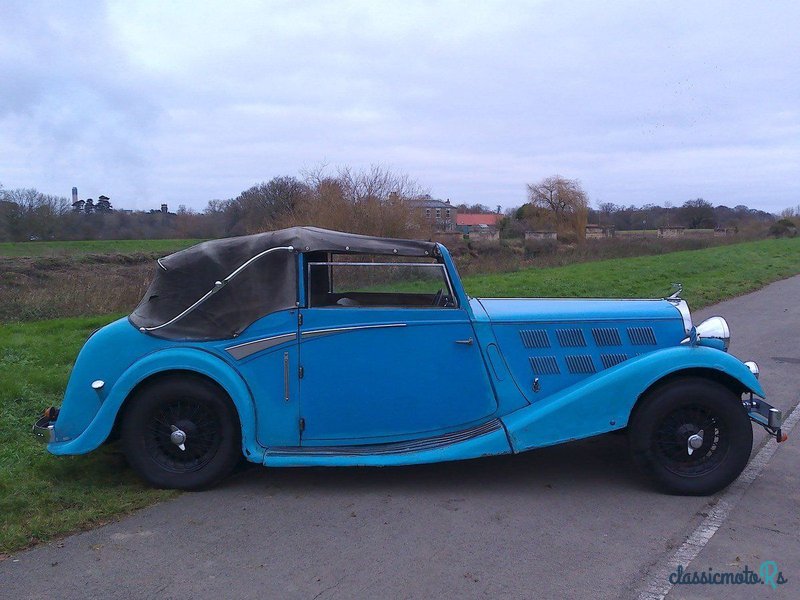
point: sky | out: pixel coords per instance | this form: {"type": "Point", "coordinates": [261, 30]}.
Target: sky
{"type": "Point", "coordinates": [184, 102]}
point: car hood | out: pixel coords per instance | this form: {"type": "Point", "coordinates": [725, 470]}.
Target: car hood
{"type": "Point", "coordinates": [511, 310]}
{"type": "Point", "coordinates": [552, 344]}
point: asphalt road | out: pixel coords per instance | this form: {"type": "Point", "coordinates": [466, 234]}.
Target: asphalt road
{"type": "Point", "coordinates": [572, 521]}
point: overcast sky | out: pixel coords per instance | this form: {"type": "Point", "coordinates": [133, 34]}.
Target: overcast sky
{"type": "Point", "coordinates": [182, 102]}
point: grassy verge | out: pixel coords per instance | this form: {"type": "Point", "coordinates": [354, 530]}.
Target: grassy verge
{"type": "Point", "coordinates": [16, 249]}
{"type": "Point", "coordinates": [708, 276]}
{"type": "Point", "coordinates": [42, 496]}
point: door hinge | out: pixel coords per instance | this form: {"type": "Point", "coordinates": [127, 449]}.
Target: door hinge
{"type": "Point", "coordinates": [299, 319]}
{"type": "Point", "coordinates": [302, 425]}
{"type": "Point", "coordinates": [300, 372]}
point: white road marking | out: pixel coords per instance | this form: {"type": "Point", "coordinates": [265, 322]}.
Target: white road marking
{"type": "Point", "coordinates": [659, 586]}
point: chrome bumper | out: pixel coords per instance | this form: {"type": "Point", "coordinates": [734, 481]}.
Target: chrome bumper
{"type": "Point", "coordinates": [43, 428]}
{"type": "Point", "coordinates": [764, 414]}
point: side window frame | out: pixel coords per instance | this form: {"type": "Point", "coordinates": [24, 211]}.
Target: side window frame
{"type": "Point", "coordinates": [308, 280]}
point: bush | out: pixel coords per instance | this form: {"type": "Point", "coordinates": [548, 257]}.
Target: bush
{"type": "Point", "coordinates": [783, 228]}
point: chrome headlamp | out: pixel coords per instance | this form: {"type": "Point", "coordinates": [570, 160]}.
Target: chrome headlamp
{"type": "Point", "coordinates": [714, 332]}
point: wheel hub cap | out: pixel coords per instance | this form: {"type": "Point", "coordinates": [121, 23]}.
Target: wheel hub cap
{"type": "Point", "coordinates": [178, 437]}
{"type": "Point", "coordinates": [694, 442]}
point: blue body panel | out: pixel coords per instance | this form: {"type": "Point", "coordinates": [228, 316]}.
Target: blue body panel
{"type": "Point", "coordinates": [603, 402]}
{"type": "Point", "coordinates": [375, 375]}
{"type": "Point", "coordinates": [369, 386]}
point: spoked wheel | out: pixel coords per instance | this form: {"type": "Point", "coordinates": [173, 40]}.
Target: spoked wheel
{"type": "Point", "coordinates": [692, 436]}
{"type": "Point", "coordinates": [181, 433]}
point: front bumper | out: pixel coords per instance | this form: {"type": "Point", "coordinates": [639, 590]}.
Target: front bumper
{"type": "Point", "coordinates": [764, 414]}
{"type": "Point", "coordinates": [43, 429]}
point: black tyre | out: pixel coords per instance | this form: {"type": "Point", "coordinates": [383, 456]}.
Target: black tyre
{"type": "Point", "coordinates": [188, 410]}
{"type": "Point", "coordinates": [692, 436]}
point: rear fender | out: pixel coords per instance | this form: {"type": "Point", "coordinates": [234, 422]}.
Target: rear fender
{"type": "Point", "coordinates": [160, 362]}
{"type": "Point", "coordinates": [604, 402]}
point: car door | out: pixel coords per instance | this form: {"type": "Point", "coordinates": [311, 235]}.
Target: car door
{"type": "Point", "coordinates": [378, 373]}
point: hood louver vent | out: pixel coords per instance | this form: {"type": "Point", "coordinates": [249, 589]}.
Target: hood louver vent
{"type": "Point", "coordinates": [534, 338]}
{"type": "Point", "coordinates": [580, 364]}
{"type": "Point", "coordinates": [606, 336]}
{"type": "Point", "coordinates": [642, 336]}
{"type": "Point", "coordinates": [611, 360]}
{"type": "Point", "coordinates": [570, 338]}
{"type": "Point", "coordinates": [544, 365]}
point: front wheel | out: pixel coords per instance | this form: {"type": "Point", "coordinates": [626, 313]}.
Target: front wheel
{"type": "Point", "coordinates": [181, 433]}
{"type": "Point", "coordinates": [692, 436]}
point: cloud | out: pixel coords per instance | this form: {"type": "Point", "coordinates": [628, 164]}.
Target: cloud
{"type": "Point", "coordinates": [187, 101]}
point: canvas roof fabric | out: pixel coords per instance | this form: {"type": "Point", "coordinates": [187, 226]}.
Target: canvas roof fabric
{"type": "Point", "coordinates": [241, 279]}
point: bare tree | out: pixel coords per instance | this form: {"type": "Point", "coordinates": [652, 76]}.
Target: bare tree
{"type": "Point", "coordinates": [563, 200]}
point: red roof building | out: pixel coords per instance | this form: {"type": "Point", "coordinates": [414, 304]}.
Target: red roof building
{"type": "Point", "coordinates": [471, 220]}
{"type": "Point", "coordinates": [467, 222]}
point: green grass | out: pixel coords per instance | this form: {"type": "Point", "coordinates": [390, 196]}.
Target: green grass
{"type": "Point", "coordinates": [18, 249]}
{"type": "Point", "coordinates": [40, 495]}
{"type": "Point", "coordinates": [708, 275]}
{"type": "Point", "coordinates": [43, 496]}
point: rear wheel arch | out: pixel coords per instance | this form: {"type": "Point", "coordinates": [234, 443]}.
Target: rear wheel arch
{"type": "Point", "coordinates": [202, 407]}
{"type": "Point", "coordinates": [162, 377]}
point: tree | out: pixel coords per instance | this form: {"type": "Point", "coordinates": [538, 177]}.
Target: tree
{"type": "Point", "coordinates": [370, 201]}
{"type": "Point", "coordinates": [563, 201]}
{"type": "Point", "coordinates": [697, 214]}
{"type": "Point", "coordinates": [261, 206]}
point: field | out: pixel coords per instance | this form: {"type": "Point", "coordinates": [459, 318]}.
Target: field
{"type": "Point", "coordinates": [30, 249]}
{"type": "Point", "coordinates": [42, 496]}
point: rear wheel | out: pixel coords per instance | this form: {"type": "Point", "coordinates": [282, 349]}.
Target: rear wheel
{"type": "Point", "coordinates": [181, 433]}
{"type": "Point", "coordinates": [692, 436]}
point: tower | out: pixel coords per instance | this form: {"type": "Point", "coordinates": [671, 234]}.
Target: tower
{"type": "Point", "coordinates": [74, 195]}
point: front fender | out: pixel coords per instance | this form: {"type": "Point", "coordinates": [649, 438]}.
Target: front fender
{"type": "Point", "coordinates": [604, 402]}
{"type": "Point", "coordinates": [172, 359]}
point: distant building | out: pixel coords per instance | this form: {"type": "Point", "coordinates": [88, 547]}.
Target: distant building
{"type": "Point", "coordinates": [598, 232]}
{"type": "Point", "coordinates": [484, 233]}
{"type": "Point", "coordinates": [440, 214]}
{"type": "Point", "coordinates": [541, 235]}
{"type": "Point", "coordinates": [671, 231]}
{"type": "Point", "coordinates": [466, 222]}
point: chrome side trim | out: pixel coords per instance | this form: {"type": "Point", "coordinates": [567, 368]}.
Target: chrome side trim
{"type": "Point", "coordinates": [319, 332]}
{"type": "Point", "coordinates": [419, 445]}
{"type": "Point", "coordinates": [241, 351]}
{"type": "Point", "coordinates": [218, 285]}
{"type": "Point", "coordinates": [160, 264]}
{"type": "Point", "coordinates": [286, 376]}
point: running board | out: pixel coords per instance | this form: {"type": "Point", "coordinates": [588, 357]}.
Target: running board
{"type": "Point", "coordinates": [484, 440]}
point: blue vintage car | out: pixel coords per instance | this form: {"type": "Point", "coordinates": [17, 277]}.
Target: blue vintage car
{"type": "Point", "coordinates": [308, 347]}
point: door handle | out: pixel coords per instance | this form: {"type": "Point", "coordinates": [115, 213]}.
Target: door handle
{"type": "Point", "coordinates": [467, 342]}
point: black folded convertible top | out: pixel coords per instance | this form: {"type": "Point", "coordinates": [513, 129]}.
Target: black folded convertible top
{"type": "Point", "coordinates": [236, 298]}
